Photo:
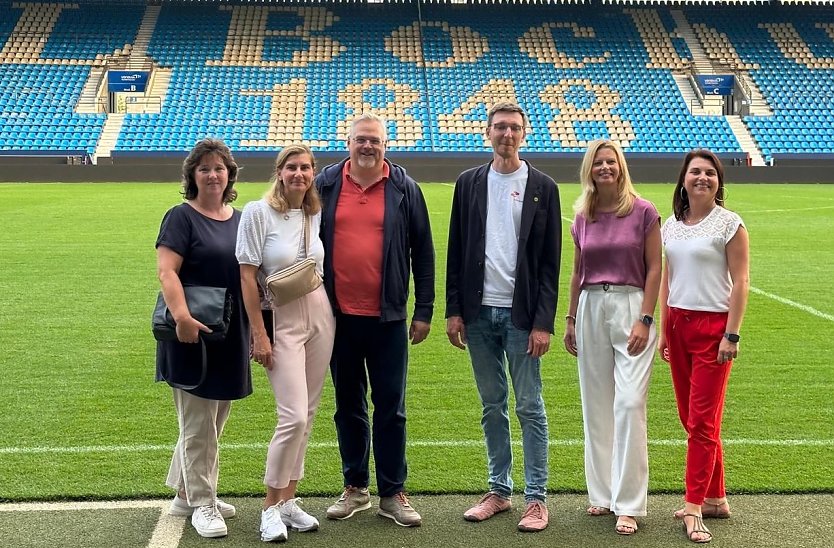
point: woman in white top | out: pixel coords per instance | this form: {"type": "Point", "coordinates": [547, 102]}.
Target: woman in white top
{"type": "Point", "coordinates": [703, 295]}
{"type": "Point", "coordinates": [270, 238]}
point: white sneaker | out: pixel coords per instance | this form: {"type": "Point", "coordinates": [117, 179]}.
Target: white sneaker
{"type": "Point", "coordinates": [226, 510]}
{"type": "Point", "coordinates": [179, 507]}
{"type": "Point", "coordinates": [208, 522]}
{"type": "Point", "coordinates": [272, 527]}
{"type": "Point", "coordinates": [293, 516]}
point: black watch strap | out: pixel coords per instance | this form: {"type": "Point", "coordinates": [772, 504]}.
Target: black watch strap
{"type": "Point", "coordinates": [732, 337]}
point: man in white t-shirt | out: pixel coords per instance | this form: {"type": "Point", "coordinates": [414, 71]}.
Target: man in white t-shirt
{"type": "Point", "coordinates": [502, 275]}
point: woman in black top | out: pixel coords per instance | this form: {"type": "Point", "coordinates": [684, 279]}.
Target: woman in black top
{"type": "Point", "coordinates": [196, 246]}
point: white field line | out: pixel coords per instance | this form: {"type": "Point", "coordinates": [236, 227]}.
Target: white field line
{"type": "Point", "coordinates": [800, 306]}
{"type": "Point", "coordinates": [166, 534]}
{"type": "Point", "coordinates": [84, 505]}
{"type": "Point", "coordinates": [168, 530]}
{"type": "Point", "coordinates": [417, 443]}
{"type": "Point", "coordinates": [787, 210]}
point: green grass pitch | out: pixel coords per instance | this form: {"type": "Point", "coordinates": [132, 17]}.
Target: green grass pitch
{"type": "Point", "coordinates": [80, 415]}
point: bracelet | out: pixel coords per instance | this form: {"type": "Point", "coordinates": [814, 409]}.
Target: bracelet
{"type": "Point", "coordinates": [570, 317]}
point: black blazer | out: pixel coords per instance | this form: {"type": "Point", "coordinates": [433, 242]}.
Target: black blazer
{"type": "Point", "coordinates": [539, 250]}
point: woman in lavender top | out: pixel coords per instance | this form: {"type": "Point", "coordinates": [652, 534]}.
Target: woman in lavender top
{"type": "Point", "coordinates": [609, 328]}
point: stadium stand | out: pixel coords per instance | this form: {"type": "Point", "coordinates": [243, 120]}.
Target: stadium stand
{"type": "Point", "coordinates": [262, 74]}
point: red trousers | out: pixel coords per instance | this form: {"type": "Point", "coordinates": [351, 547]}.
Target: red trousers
{"type": "Point", "coordinates": [700, 386]}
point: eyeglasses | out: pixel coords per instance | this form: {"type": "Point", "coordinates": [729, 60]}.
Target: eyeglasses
{"type": "Point", "coordinates": [501, 128]}
{"type": "Point", "coordinates": [373, 141]}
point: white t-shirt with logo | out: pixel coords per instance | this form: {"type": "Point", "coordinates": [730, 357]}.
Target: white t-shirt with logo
{"type": "Point", "coordinates": [505, 197]}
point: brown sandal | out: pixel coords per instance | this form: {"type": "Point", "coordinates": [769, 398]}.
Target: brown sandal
{"type": "Point", "coordinates": [709, 510]}
{"type": "Point", "coordinates": [598, 511]}
{"type": "Point", "coordinates": [697, 527]}
{"type": "Point", "coordinates": [716, 511]}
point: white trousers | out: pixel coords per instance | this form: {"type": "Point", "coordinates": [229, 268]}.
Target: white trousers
{"type": "Point", "coordinates": [614, 387]}
{"type": "Point", "coordinates": [195, 464]}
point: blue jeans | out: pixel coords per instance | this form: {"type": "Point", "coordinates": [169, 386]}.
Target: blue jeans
{"type": "Point", "coordinates": [489, 338]}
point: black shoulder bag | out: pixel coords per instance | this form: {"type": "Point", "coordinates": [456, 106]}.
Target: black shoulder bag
{"type": "Point", "coordinates": [211, 306]}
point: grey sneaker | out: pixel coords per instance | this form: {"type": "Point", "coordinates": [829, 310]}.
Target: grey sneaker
{"type": "Point", "coordinates": [399, 509]}
{"type": "Point", "coordinates": [353, 499]}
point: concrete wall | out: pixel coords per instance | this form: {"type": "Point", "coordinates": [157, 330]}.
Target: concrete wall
{"type": "Point", "coordinates": [423, 167]}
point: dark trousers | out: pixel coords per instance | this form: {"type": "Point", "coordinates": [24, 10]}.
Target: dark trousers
{"type": "Point", "coordinates": [367, 350]}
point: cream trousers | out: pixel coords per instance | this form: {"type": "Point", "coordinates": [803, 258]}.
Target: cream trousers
{"type": "Point", "coordinates": [195, 464]}
{"type": "Point", "coordinates": [614, 387]}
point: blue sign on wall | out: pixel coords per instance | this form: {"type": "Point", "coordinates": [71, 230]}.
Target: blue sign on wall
{"type": "Point", "coordinates": [716, 84]}
{"type": "Point", "coordinates": [127, 80]}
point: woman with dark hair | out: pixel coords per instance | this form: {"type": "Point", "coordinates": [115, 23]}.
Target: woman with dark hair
{"type": "Point", "coordinates": [196, 246]}
{"type": "Point", "coordinates": [275, 232]}
{"type": "Point", "coordinates": [613, 293]}
{"type": "Point", "coordinates": [703, 295]}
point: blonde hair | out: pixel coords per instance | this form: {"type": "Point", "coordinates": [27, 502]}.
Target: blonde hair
{"type": "Point", "coordinates": [275, 196]}
{"type": "Point", "coordinates": [587, 202]}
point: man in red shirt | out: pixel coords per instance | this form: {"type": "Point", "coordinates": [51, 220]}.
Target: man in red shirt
{"type": "Point", "coordinates": [376, 234]}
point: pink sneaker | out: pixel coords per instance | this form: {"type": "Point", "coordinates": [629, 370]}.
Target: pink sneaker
{"type": "Point", "coordinates": [535, 517]}
{"type": "Point", "coordinates": [489, 505]}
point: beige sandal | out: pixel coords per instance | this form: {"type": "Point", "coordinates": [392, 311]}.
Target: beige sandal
{"type": "Point", "coordinates": [625, 528]}
{"type": "Point", "coordinates": [697, 527]}
{"type": "Point", "coordinates": [598, 511]}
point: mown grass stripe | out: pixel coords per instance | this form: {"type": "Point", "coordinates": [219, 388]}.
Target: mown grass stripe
{"type": "Point", "coordinates": [419, 443]}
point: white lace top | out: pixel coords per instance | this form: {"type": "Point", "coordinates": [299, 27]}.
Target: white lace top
{"type": "Point", "coordinates": [696, 259]}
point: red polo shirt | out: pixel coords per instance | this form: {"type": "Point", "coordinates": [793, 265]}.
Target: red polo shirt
{"type": "Point", "coordinates": [357, 245]}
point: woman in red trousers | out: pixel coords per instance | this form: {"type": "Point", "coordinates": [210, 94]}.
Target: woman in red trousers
{"type": "Point", "coordinates": [703, 294]}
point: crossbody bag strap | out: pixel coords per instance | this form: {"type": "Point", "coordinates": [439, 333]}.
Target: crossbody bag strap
{"type": "Point", "coordinates": [302, 241]}
{"type": "Point", "coordinates": [306, 235]}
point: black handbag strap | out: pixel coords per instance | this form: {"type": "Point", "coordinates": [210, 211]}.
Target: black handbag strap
{"type": "Point", "coordinates": [202, 373]}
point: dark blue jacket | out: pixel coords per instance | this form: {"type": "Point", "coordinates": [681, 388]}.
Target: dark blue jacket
{"type": "Point", "coordinates": [406, 240]}
{"type": "Point", "coordinates": [539, 250]}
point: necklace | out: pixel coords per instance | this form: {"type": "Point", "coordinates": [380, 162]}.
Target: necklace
{"type": "Point", "coordinates": [688, 221]}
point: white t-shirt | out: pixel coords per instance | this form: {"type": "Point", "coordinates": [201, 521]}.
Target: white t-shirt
{"type": "Point", "coordinates": [696, 256]}
{"type": "Point", "coordinates": [271, 240]}
{"type": "Point", "coordinates": [505, 197]}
